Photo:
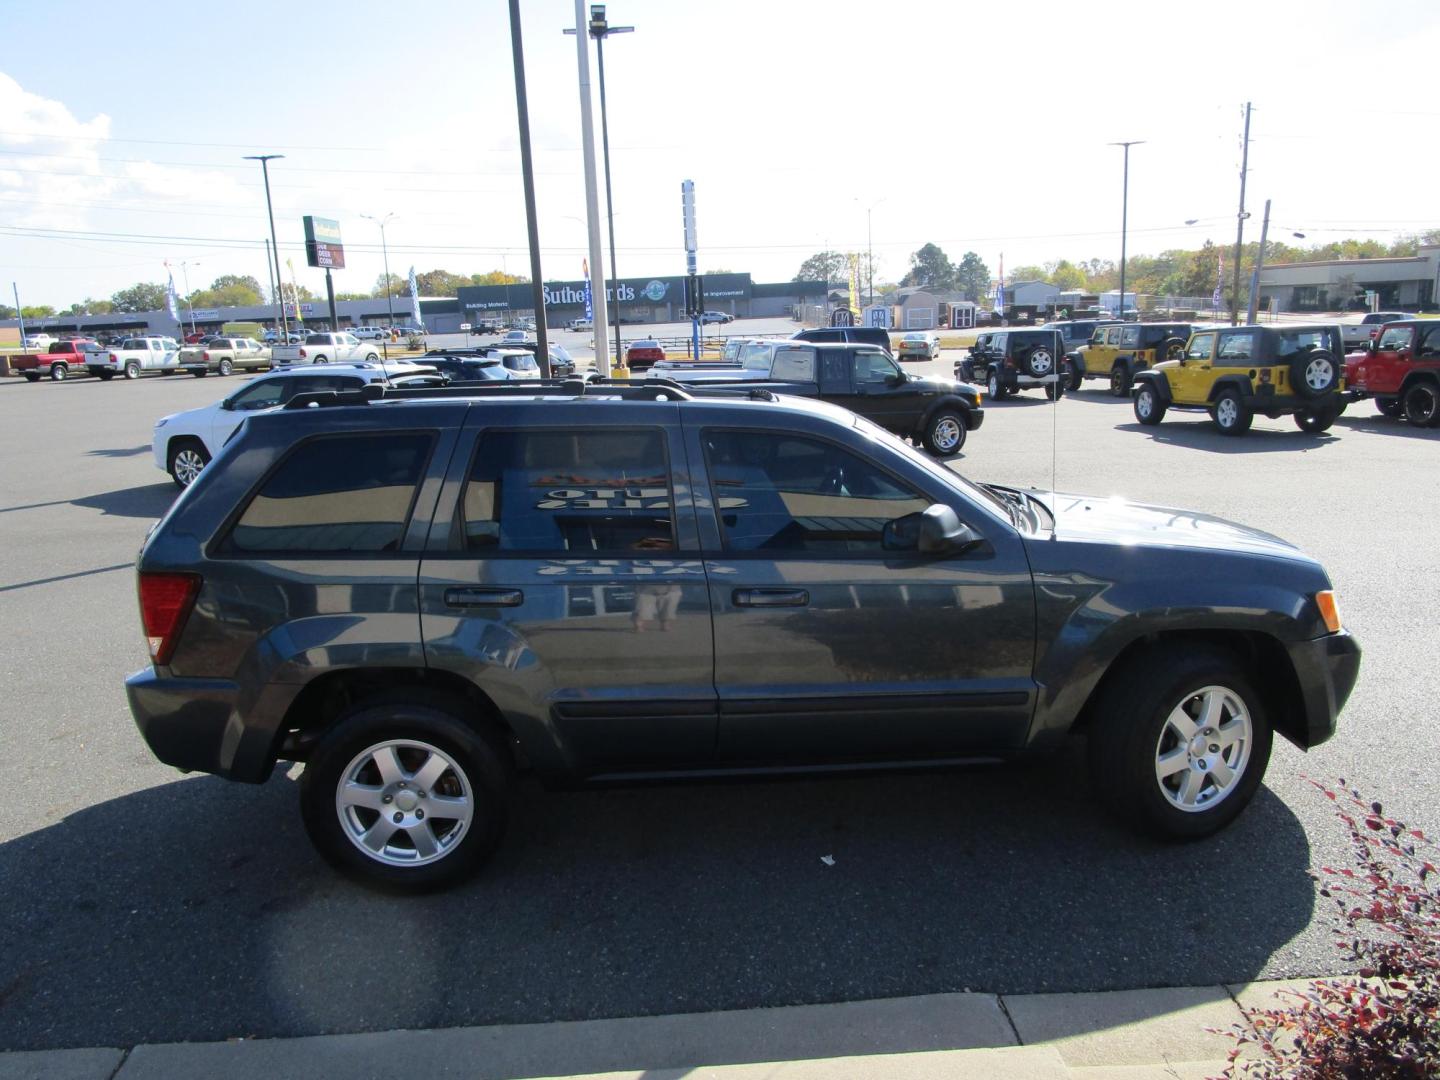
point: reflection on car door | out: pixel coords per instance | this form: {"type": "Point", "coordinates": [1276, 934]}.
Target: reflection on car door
{"type": "Point", "coordinates": [1189, 381]}
{"type": "Point", "coordinates": [563, 578]}
{"type": "Point", "coordinates": [828, 648]}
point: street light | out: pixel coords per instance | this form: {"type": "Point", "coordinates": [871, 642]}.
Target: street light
{"type": "Point", "coordinates": [265, 160]}
{"type": "Point", "coordinates": [870, 253]}
{"type": "Point", "coordinates": [185, 273]}
{"type": "Point", "coordinates": [1125, 216]}
{"type": "Point", "coordinates": [385, 252]}
{"type": "Point", "coordinates": [600, 30]}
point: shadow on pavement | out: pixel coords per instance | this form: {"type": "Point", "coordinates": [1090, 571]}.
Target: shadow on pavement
{"type": "Point", "coordinates": [196, 910]}
{"type": "Point", "coordinates": [128, 451]}
{"type": "Point", "coordinates": [145, 501]}
{"type": "Point", "coordinates": [1384, 425]}
{"type": "Point", "coordinates": [1201, 435]}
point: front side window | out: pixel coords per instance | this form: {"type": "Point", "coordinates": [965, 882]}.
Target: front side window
{"type": "Point", "coordinates": [1201, 346]}
{"type": "Point", "coordinates": [775, 492]}
{"type": "Point", "coordinates": [1237, 348]}
{"type": "Point", "coordinates": [602, 492]}
{"type": "Point", "coordinates": [1394, 338]}
{"type": "Point", "coordinates": [872, 368]}
{"type": "Point", "coordinates": [336, 496]}
{"type": "Point", "coordinates": [261, 395]}
{"type": "Point", "coordinates": [1112, 335]}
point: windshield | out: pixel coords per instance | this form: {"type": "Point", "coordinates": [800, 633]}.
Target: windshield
{"type": "Point", "coordinates": [971, 490]}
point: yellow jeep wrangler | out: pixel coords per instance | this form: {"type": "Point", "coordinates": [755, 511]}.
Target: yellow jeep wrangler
{"type": "Point", "coordinates": [1120, 352]}
{"type": "Point", "coordinates": [1234, 372]}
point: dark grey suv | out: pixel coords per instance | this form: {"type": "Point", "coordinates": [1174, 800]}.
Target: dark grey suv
{"type": "Point", "coordinates": [418, 593]}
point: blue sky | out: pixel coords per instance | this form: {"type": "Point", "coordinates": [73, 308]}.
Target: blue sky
{"type": "Point", "coordinates": [957, 123]}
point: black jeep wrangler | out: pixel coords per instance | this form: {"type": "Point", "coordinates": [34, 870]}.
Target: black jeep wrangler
{"type": "Point", "coordinates": [1007, 361]}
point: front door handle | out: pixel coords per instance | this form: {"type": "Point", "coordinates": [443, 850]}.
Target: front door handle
{"type": "Point", "coordinates": [476, 596]}
{"type": "Point", "coordinates": [770, 597]}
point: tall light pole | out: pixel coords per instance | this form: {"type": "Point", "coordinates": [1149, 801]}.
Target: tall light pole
{"type": "Point", "coordinates": [870, 252]}
{"type": "Point", "coordinates": [527, 173]}
{"type": "Point", "coordinates": [600, 29]}
{"type": "Point", "coordinates": [185, 273]}
{"type": "Point", "coordinates": [592, 197]}
{"type": "Point", "coordinates": [1240, 219]}
{"type": "Point", "coordinates": [1124, 217]}
{"type": "Point", "coordinates": [265, 160]}
{"type": "Point", "coordinates": [385, 254]}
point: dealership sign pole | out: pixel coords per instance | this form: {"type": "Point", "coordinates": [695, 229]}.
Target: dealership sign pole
{"type": "Point", "coordinates": [692, 292]}
{"type": "Point", "coordinates": [601, 324]}
{"type": "Point", "coordinates": [323, 249]}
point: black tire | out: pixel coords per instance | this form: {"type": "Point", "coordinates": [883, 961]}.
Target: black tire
{"type": "Point", "coordinates": [1120, 381]}
{"type": "Point", "coordinates": [200, 373]}
{"type": "Point", "coordinates": [132, 369]}
{"type": "Point", "coordinates": [105, 376]}
{"type": "Point", "coordinates": [1422, 404]}
{"type": "Point", "coordinates": [372, 358]}
{"type": "Point", "coordinates": [59, 372]}
{"type": "Point", "coordinates": [225, 367]}
{"type": "Point", "coordinates": [1230, 414]}
{"type": "Point", "coordinates": [479, 762]}
{"type": "Point", "coordinates": [1314, 373]}
{"type": "Point", "coordinates": [181, 458]}
{"type": "Point", "coordinates": [945, 433]}
{"type": "Point", "coordinates": [967, 371]}
{"type": "Point", "coordinates": [1055, 391]}
{"type": "Point", "coordinates": [1149, 409]}
{"type": "Point", "coordinates": [996, 388]}
{"type": "Point", "coordinates": [1038, 362]}
{"type": "Point", "coordinates": [1316, 420]}
{"type": "Point", "coordinates": [32, 376]}
{"type": "Point", "coordinates": [320, 360]}
{"type": "Point", "coordinates": [1172, 348]}
{"type": "Point", "coordinates": [1131, 730]}
{"type": "Point", "coordinates": [1071, 375]}
{"type": "Point", "coordinates": [1391, 407]}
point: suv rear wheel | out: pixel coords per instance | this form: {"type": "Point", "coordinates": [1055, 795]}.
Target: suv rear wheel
{"type": "Point", "coordinates": [1316, 419]}
{"type": "Point", "coordinates": [1230, 414]}
{"type": "Point", "coordinates": [1120, 380]}
{"type": "Point", "coordinates": [403, 794]}
{"type": "Point", "coordinates": [1422, 404]}
{"type": "Point", "coordinates": [1070, 376]}
{"type": "Point", "coordinates": [1180, 742]}
{"type": "Point", "coordinates": [1172, 348]}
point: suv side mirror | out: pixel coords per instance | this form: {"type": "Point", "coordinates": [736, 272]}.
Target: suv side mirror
{"type": "Point", "coordinates": [895, 379]}
{"type": "Point", "coordinates": [936, 530]}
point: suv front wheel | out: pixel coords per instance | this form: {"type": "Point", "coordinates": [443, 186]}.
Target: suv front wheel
{"type": "Point", "coordinates": [403, 794]}
{"type": "Point", "coordinates": [1149, 409]}
{"type": "Point", "coordinates": [945, 433]}
{"type": "Point", "coordinates": [1180, 743]}
{"type": "Point", "coordinates": [1230, 414]}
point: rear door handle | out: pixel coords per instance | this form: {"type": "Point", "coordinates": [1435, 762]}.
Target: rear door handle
{"type": "Point", "coordinates": [482, 597]}
{"type": "Point", "coordinates": [770, 597]}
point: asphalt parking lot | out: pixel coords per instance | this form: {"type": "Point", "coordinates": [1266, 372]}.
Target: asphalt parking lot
{"type": "Point", "coordinates": [143, 905]}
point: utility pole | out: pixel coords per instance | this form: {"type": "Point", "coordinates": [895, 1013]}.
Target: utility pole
{"type": "Point", "coordinates": [274, 289]}
{"type": "Point", "coordinates": [265, 160]}
{"type": "Point", "coordinates": [527, 171]}
{"type": "Point", "coordinates": [592, 195]}
{"type": "Point", "coordinates": [389, 304]}
{"type": "Point", "coordinates": [1259, 263]}
{"type": "Point", "coordinates": [16, 287]}
{"type": "Point", "coordinates": [1124, 219]}
{"type": "Point", "coordinates": [1240, 220]}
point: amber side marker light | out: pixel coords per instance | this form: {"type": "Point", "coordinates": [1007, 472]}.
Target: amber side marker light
{"type": "Point", "coordinates": [1329, 610]}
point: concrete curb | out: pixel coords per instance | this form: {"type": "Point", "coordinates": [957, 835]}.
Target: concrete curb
{"type": "Point", "coordinates": [1116, 1035]}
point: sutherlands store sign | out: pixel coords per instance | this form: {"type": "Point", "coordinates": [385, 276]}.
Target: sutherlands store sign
{"type": "Point", "coordinates": [561, 295]}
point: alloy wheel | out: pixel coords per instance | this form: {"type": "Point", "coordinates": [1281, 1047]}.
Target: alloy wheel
{"type": "Point", "coordinates": [187, 465]}
{"type": "Point", "coordinates": [404, 803]}
{"type": "Point", "coordinates": [1203, 749]}
{"type": "Point", "coordinates": [946, 434]}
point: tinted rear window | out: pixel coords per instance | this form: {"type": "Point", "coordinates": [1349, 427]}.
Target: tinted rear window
{"type": "Point", "coordinates": [348, 495]}
{"type": "Point", "coordinates": [318, 339]}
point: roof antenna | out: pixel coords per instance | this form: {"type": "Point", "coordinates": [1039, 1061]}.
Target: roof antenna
{"type": "Point", "coordinates": [1054, 440]}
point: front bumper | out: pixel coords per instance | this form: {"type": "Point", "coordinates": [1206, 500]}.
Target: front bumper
{"type": "Point", "coordinates": [1327, 668]}
{"type": "Point", "coordinates": [208, 725]}
{"type": "Point", "coordinates": [975, 416]}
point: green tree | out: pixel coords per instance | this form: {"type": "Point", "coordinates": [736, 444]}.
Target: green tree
{"type": "Point", "coordinates": [498, 277]}
{"type": "Point", "coordinates": [972, 276]}
{"type": "Point", "coordinates": [142, 296]}
{"type": "Point", "coordinates": [398, 286]}
{"type": "Point", "coordinates": [1026, 273]}
{"type": "Point", "coordinates": [826, 266]}
{"type": "Point", "coordinates": [229, 290]}
{"type": "Point", "coordinates": [439, 283]}
{"type": "Point", "coordinates": [6, 311]}
{"type": "Point", "coordinates": [930, 267]}
{"type": "Point", "coordinates": [1065, 274]}
{"type": "Point", "coordinates": [37, 311]}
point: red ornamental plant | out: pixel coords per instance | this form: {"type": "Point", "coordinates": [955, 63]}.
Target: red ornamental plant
{"type": "Point", "coordinates": [1383, 1022]}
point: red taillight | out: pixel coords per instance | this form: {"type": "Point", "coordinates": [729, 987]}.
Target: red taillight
{"type": "Point", "coordinates": [302, 354]}
{"type": "Point", "coordinates": [205, 356]}
{"type": "Point", "coordinates": [114, 359]}
{"type": "Point", "coordinates": [165, 603]}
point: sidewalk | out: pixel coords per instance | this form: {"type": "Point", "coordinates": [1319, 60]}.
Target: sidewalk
{"type": "Point", "coordinates": [1122, 1035]}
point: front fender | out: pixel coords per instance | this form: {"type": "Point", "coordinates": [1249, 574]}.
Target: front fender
{"type": "Point", "coordinates": [1158, 380]}
{"type": "Point", "coordinates": [1086, 618]}
{"type": "Point", "coordinates": [948, 401]}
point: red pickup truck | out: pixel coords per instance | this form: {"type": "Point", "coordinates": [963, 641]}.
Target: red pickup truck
{"type": "Point", "coordinates": [1401, 371]}
{"type": "Point", "coordinates": [59, 361]}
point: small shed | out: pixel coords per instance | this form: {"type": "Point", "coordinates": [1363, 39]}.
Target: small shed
{"type": "Point", "coordinates": [914, 308]}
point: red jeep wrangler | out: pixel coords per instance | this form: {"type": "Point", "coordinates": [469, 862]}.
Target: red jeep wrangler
{"type": "Point", "coordinates": [1401, 370]}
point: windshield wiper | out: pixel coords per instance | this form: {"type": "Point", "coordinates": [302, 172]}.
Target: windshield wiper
{"type": "Point", "coordinates": [1010, 500]}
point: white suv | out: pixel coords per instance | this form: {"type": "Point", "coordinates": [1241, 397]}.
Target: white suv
{"type": "Point", "coordinates": [370, 333]}
{"type": "Point", "coordinates": [183, 443]}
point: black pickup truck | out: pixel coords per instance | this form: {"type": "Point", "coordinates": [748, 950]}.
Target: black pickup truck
{"type": "Point", "coordinates": [865, 379]}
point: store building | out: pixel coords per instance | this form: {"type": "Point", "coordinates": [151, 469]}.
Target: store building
{"type": "Point", "coordinates": [1409, 283]}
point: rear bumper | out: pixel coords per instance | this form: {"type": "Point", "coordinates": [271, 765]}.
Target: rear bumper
{"type": "Point", "coordinates": [206, 725]}
{"type": "Point", "coordinates": [1327, 669]}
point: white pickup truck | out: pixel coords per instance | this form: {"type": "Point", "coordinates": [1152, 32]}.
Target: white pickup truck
{"type": "Point", "coordinates": [135, 356]}
{"type": "Point", "coordinates": [326, 349]}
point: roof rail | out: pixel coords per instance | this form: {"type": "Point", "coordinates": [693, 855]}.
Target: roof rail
{"type": "Point", "coordinates": [520, 388]}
